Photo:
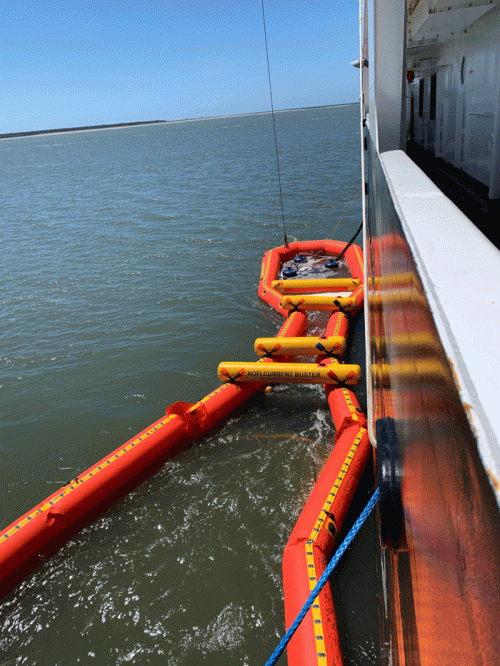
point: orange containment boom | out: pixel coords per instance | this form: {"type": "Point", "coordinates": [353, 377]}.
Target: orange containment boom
{"type": "Point", "coordinates": [43, 530]}
{"type": "Point", "coordinates": [306, 555]}
{"type": "Point", "coordinates": [273, 260]}
{"type": "Point", "coordinates": [286, 373]}
{"type": "Point", "coordinates": [310, 546]}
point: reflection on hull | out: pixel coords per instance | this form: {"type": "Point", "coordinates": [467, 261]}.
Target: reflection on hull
{"type": "Point", "coordinates": [441, 598]}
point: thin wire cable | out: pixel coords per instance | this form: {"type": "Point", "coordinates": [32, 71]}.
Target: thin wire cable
{"type": "Point", "coordinates": [318, 253]}
{"type": "Point", "coordinates": [274, 125]}
{"type": "Point", "coordinates": [354, 201]}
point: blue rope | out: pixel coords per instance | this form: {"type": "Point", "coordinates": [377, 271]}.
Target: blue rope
{"type": "Point", "coordinates": [321, 582]}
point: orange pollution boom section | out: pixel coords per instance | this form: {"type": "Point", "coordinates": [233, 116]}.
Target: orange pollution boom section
{"type": "Point", "coordinates": [44, 529]}
{"type": "Point", "coordinates": [306, 555]}
{"type": "Point", "coordinates": [41, 531]}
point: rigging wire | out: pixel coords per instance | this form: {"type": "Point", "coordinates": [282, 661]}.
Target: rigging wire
{"type": "Point", "coordinates": [274, 124]}
{"type": "Point", "coordinates": [349, 207]}
{"type": "Point", "coordinates": [277, 152]}
{"type": "Point", "coordinates": [350, 242]}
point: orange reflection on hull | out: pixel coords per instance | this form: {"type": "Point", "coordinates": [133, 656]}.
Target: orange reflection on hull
{"type": "Point", "coordinates": [441, 590]}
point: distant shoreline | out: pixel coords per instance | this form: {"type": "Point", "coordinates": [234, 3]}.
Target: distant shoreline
{"type": "Point", "coordinates": [84, 128]}
{"type": "Point", "coordinates": [141, 123]}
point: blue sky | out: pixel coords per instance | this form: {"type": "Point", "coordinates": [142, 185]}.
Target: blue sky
{"type": "Point", "coordinates": [66, 63]}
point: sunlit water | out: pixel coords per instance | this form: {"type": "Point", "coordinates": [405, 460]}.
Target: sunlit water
{"type": "Point", "coordinates": [130, 264]}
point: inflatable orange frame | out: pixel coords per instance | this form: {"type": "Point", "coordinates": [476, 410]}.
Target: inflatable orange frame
{"type": "Point", "coordinates": [311, 544]}
{"type": "Point", "coordinates": [44, 529]}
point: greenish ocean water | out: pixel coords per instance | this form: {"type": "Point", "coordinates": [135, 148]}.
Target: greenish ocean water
{"type": "Point", "coordinates": [130, 264]}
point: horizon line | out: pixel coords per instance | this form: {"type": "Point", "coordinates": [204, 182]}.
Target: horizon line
{"type": "Point", "coordinates": [138, 123]}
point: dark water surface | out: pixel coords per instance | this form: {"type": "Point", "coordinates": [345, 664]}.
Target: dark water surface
{"type": "Point", "coordinates": [130, 264]}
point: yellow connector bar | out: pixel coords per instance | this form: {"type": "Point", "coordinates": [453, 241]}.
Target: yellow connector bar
{"type": "Point", "coordinates": [321, 303]}
{"type": "Point", "coordinates": [307, 286]}
{"type": "Point", "coordinates": [311, 346]}
{"type": "Point", "coordinates": [286, 373]}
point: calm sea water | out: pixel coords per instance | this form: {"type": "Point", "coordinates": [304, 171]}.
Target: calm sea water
{"type": "Point", "coordinates": [130, 264]}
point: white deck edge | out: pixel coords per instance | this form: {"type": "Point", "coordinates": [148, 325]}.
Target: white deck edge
{"type": "Point", "coordinates": [460, 273]}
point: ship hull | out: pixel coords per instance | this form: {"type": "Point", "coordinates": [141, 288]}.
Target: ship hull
{"type": "Point", "coordinates": [440, 584]}
{"type": "Point", "coordinates": [432, 314]}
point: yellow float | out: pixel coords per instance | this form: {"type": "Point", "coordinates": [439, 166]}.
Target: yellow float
{"type": "Point", "coordinates": [306, 286]}
{"type": "Point", "coordinates": [286, 373]}
{"type": "Point", "coordinates": [307, 346]}
{"type": "Point", "coordinates": [320, 303]}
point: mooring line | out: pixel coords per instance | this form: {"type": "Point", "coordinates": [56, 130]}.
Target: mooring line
{"type": "Point", "coordinates": [322, 581]}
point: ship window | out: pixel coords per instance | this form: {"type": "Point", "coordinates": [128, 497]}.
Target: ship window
{"type": "Point", "coordinates": [432, 101]}
{"type": "Point", "coordinates": [421, 98]}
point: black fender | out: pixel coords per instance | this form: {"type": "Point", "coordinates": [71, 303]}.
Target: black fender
{"type": "Point", "coordinates": [391, 509]}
